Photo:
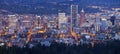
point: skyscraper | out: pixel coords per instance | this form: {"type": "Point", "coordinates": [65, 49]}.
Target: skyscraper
{"type": "Point", "coordinates": [97, 24]}
{"type": "Point", "coordinates": [104, 24]}
{"type": "Point", "coordinates": [12, 23]}
{"type": "Point", "coordinates": [112, 19]}
{"type": "Point", "coordinates": [38, 20]}
{"type": "Point", "coordinates": [74, 18]}
{"type": "Point", "coordinates": [12, 20]}
{"type": "Point", "coordinates": [62, 20]}
{"type": "Point", "coordinates": [82, 17]}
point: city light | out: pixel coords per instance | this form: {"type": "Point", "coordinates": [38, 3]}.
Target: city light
{"type": "Point", "coordinates": [59, 25]}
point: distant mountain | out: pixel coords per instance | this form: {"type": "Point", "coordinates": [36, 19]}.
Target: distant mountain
{"type": "Point", "coordinates": [83, 2]}
{"type": "Point", "coordinates": [27, 1]}
{"type": "Point", "coordinates": [96, 1]}
{"type": "Point", "coordinates": [53, 6]}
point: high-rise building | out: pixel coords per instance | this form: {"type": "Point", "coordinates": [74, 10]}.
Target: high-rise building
{"type": "Point", "coordinates": [97, 24]}
{"type": "Point", "coordinates": [12, 20]}
{"type": "Point", "coordinates": [26, 22]}
{"type": "Point", "coordinates": [62, 20]}
{"type": "Point", "coordinates": [82, 17]}
{"type": "Point", "coordinates": [109, 23]}
{"type": "Point", "coordinates": [12, 23]}
{"type": "Point", "coordinates": [97, 27]}
{"type": "Point", "coordinates": [104, 25]}
{"type": "Point", "coordinates": [51, 23]}
{"type": "Point", "coordinates": [112, 19]}
{"type": "Point", "coordinates": [38, 20]}
{"type": "Point", "coordinates": [74, 16]}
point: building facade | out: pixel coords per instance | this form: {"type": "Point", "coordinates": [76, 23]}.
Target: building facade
{"type": "Point", "coordinates": [74, 16]}
{"type": "Point", "coordinates": [62, 20]}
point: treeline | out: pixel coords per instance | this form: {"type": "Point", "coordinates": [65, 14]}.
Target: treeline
{"type": "Point", "coordinates": [111, 47]}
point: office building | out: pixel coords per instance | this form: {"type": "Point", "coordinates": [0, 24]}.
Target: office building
{"type": "Point", "coordinates": [12, 23]}
{"type": "Point", "coordinates": [62, 20]}
{"type": "Point", "coordinates": [112, 19]}
{"type": "Point", "coordinates": [82, 18]}
{"type": "Point", "coordinates": [74, 16]}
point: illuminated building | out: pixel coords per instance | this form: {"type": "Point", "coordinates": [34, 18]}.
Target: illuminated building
{"type": "Point", "coordinates": [62, 21]}
{"type": "Point", "coordinates": [109, 23]}
{"type": "Point", "coordinates": [51, 23]}
{"type": "Point", "coordinates": [12, 20]}
{"type": "Point", "coordinates": [117, 21]}
{"type": "Point", "coordinates": [74, 17]}
{"type": "Point", "coordinates": [82, 17]}
{"type": "Point", "coordinates": [26, 22]}
{"type": "Point", "coordinates": [12, 23]}
{"type": "Point", "coordinates": [97, 24]}
{"type": "Point", "coordinates": [104, 24]}
{"type": "Point", "coordinates": [38, 21]}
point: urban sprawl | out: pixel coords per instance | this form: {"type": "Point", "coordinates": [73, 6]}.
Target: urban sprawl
{"type": "Point", "coordinates": [74, 28]}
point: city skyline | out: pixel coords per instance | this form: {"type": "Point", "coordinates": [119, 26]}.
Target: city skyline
{"type": "Point", "coordinates": [59, 26]}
